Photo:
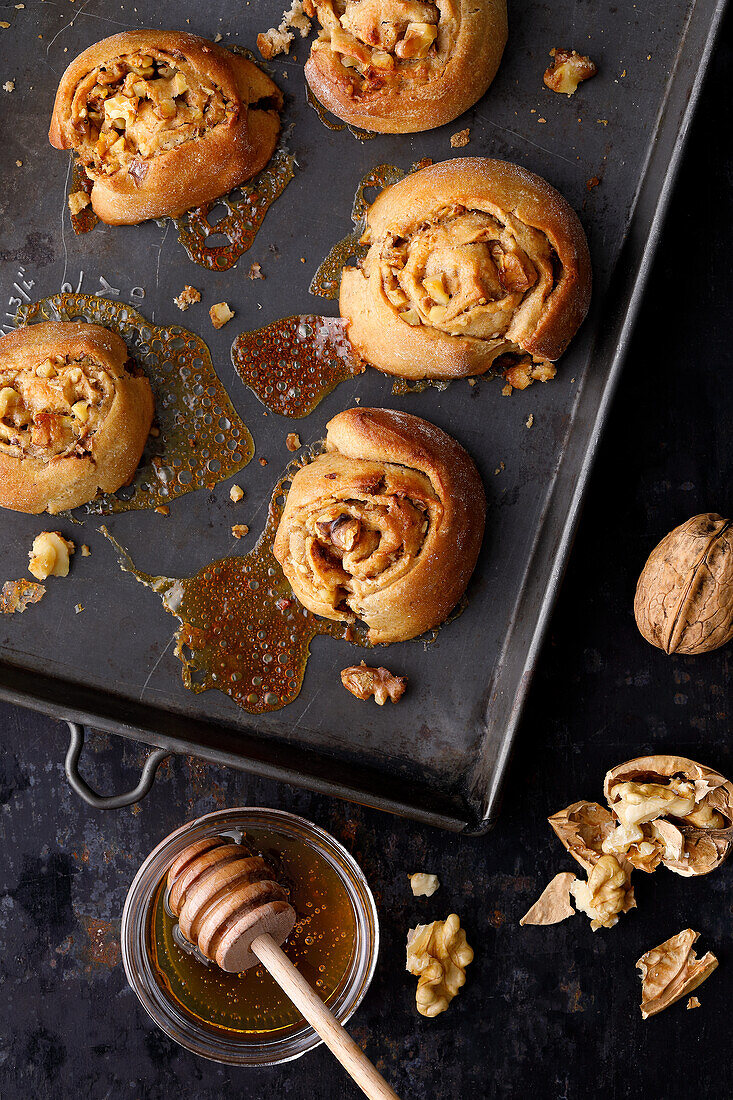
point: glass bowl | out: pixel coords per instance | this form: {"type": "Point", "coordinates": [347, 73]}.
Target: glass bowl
{"type": "Point", "coordinates": [201, 1036]}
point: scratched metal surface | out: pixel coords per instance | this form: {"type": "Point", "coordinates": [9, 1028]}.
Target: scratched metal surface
{"type": "Point", "coordinates": [117, 654]}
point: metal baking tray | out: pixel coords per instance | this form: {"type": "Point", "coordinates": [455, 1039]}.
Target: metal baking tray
{"type": "Point", "coordinates": [440, 755]}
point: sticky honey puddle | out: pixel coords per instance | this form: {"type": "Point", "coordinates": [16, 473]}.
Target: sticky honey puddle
{"type": "Point", "coordinates": [241, 629]}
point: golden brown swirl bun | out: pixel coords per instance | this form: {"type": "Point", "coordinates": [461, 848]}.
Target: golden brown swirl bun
{"type": "Point", "coordinates": [385, 526]}
{"type": "Point", "coordinates": [398, 66]}
{"type": "Point", "coordinates": [161, 121]}
{"type": "Point", "coordinates": [74, 415]}
{"type": "Point", "coordinates": [470, 261]}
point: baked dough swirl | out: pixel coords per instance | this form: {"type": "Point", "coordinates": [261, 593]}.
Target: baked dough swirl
{"type": "Point", "coordinates": [164, 121]}
{"type": "Point", "coordinates": [385, 526]}
{"type": "Point", "coordinates": [399, 66]}
{"type": "Point", "coordinates": [470, 261]}
{"type": "Point", "coordinates": [74, 415]}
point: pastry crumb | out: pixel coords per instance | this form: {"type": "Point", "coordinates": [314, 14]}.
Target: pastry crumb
{"type": "Point", "coordinates": [507, 390]}
{"type": "Point", "coordinates": [188, 296]}
{"type": "Point", "coordinates": [278, 39]}
{"type": "Point", "coordinates": [567, 71]}
{"type": "Point", "coordinates": [530, 420]}
{"type": "Point", "coordinates": [17, 595]}
{"type": "Point", "coordinates": [9, 86]}
{"type": "Point", "coordinates": [472, 381]}
{"type": "Point", "coordinates": [424, 884]}
{"type": "Point", "coordinates": [77, 200]}
{"type": "Point", "coordinates": [693, 1003]}
{"type": "Point", "coordinates": [49, 556]}
{"type": "Point", "coordinates": [500, 469]}
{"type": "Point", "coordinates": [220, 313]}
{"type": "Point", "coordinates": [263, 462]}
{"type": "Point", "coordinates": [292, 441]}
{"type": "Point", "coordinates": [85, 551]}
{"type": "Point", "coordinates": [239, 530]}
{"type": "Point", "coordinates": [255, 271]}
{"type": "Point", "coordinates": [218, 37]}
{"type": "Point", "coordinates": [163, 510]}
{"type": "Point", "coordinates": [363, 682]}
{"type": "Point", "coordinates": [78, 608]}
{"type": "Point", "coordinates": [236, 493]}
{"type": "Point", "coordinates": [460, 139]}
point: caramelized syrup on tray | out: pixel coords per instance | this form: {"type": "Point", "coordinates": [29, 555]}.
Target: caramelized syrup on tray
{"type": "Point", "coordinates": [201, 439]}
{"type": "Point", "coordinates": [293, 363]}
{"type": "Point", "coordinates": [321, 946]}
{"type": "Point", "coordinates": [242, 631]}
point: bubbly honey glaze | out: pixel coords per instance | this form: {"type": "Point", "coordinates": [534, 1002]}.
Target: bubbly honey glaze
{"type": "Point", "coordinates": [293, 363]}
{"type": "Point", "coordinates": [321, 946]}
{"type": "Point", "coordinates": [329, 122]}
{"type": "Point", "coordinates": [245, 207]}
{"type": "Point", "coordinates": [242, 630]}
{"type": "Point", "coordinates": [200, 438]}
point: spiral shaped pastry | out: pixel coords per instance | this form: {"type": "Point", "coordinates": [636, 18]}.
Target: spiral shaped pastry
{"type": "Point", "coordinates": [164, 121]}
{"type": "Point", "coordinates": [75, 413]}
{"type": "Point", "coordinates": [398, 66]}
{"type": "Point", "coordinates": [385, 526]}
{"type": "Point", "coordinates": [472, 264]}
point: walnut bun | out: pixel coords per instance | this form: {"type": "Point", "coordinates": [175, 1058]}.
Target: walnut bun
{"type": "Point", "coordinates": [398, 66]}
{"type": "Point", "coordinates": [385, 526]}
{"type": "Point", "coordinates": [473, 265]}
{"type": "Point", "coordinates": [164, 121]}
{"type": "Point", "coordinates": [75, 413]}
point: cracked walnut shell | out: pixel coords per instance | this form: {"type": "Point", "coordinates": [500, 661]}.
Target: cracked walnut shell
{"type": "Point", "coordinates": [643, 793]}
{"type": "Point", "coordinates": [438, 955]}
{"type": "Point", "coordinates": [684, 598]}
{"type": "Point", "coordinates": [671, 971]}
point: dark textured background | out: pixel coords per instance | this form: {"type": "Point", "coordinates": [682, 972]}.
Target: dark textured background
{"type": "Point", "coordinates": [550, 1012]}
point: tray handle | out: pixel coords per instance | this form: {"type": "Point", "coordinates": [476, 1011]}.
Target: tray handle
{"type": "Point", "coordinates": [111, 801]}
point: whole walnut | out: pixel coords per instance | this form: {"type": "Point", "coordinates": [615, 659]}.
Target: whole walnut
{"type": "Point", "coordinates": [684, 598]}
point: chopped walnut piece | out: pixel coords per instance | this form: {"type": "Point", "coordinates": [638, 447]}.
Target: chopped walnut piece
{"type": "Point", "coordinates": [278, 39]}
{"type": "Point", "coordinates": [220, 313]}
{"type": "Point", "coordinates": [438, 955]}
{"type": "Point", "coordinates": [671, 971]}
{"type": "Point", "coordinates": [553, 904]}
{"type": "Point", "coordinates": [423, 884]}
{"type": "Point", "coordinates": [568, 69]}
{"type": "Point", "coordinates": [85, 551]}
{"type": "Point", "coordinates": [256, 272]}
{"type": "Point", "coordinates": [236, 493]}
{"type": "Point", "coordinates": [693, 1003]}
{"type": "Point", "coordinates": [77, 201]}
{"type": "Point", "coordinates": [49, 556]}
{"type": "Point", "coordinates": [17, 595]}
{"type": "Point", "coordinates": [460, 139]}
{"type": "Point", "coordinates": [292, 441]}
{"type": "Point", "coordinates": [606, 894]}
{"type": "Point", "coordinates": [525, 373]}
{"type": "Point", "coordinates": [363, 681]}
{"type": "Point", "coordinates": [9, 86]}
{"type": "Point", "coordinates": [239, 530]}
{"type": "Point", "coordinates": [188, 297]}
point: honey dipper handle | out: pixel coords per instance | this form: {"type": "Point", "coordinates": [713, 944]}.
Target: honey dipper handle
{"type": "Point", "coordinates": [336, 1038]}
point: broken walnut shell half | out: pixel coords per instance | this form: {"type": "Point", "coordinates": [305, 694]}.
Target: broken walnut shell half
{"type": "Point", "coordinates": [684, 597]}
{"type": "Point", "coordinates": [224, 898]}
{"type": "Point", "coordinates": [582, 827]}
{"type": "Point", "coordinates": [671, 971]}
{"type": "Point", "coordinates": [705, 846]}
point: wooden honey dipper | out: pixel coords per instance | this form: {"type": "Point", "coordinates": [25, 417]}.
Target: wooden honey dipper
{"type": "Point", "coordinates": [230, 907]}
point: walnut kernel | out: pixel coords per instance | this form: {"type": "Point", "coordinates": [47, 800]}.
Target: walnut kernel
{"type": "Point", "coordinates": [49, 556]}
{"type": "Point", "coordinates": [423, 884]}
{"type": "Point", "coordinates": [568, 69]}
{"type": "Point", "coordinates": [220, 313]}
{"type": "Point", "coordinates": [363, 682]}
{"type": "Point", "coordinates": [438, 955]}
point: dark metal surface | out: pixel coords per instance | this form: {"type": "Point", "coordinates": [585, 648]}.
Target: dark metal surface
{"type": "Point", "coordinates": [545, 1013]}
{"type": "Point", "coordinates": [441, 754]}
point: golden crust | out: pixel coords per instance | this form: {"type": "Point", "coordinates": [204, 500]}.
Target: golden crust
{"type": "Point", "coordinates": [196, 171]}
{"type": "Point", "coordinates": [419, 94]}
{"type": "Point", "coordinates": [408, 502]}
{"type": "Point", "coordinates": [533, 226]}
{"type": "Point", "coordinates": [32, 484]}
